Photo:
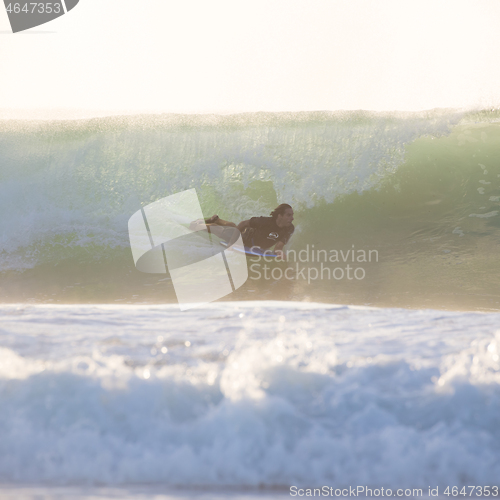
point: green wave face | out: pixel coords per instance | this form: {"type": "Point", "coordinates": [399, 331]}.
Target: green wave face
{"type": "Point", "coordinates": [421, 191]}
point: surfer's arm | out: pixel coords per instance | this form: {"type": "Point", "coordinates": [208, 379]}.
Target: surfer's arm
{"type": "Point", "coordinates": [243, 225]}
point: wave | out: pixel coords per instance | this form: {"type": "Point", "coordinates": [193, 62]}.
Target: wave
{"type": "Point", "coordinates": [381, 180]}
{"type": "Point", "coordinates": [249, 395]}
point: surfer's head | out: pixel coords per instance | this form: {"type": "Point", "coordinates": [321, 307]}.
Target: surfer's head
{"type": "Point", "coordinates": [283, 215]}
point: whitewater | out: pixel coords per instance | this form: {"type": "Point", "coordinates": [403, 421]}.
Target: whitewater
{"type": "Point", "coordinates": [370, 358]}
{"type": "Point", "coordinates": [248, 394]}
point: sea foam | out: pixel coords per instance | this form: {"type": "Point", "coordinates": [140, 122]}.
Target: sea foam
{"type": "Point", "coordinates": [248, 394]}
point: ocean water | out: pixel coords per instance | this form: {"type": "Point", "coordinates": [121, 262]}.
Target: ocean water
{"type": "Point", "coordinates": [369, 359]}
{"type": "Point", "coordinates": [420, 191]}
{"type": "Point", "coordinates": [248, 395]}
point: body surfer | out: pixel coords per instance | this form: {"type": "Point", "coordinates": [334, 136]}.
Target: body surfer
{"type": "Point", "coordinates": [261, 232]}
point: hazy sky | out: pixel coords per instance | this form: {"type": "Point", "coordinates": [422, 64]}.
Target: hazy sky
{"type": "Point", "coordinates": [270, 55]}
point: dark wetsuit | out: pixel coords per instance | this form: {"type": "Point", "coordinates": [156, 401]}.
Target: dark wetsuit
{"type": "Point", "coordinates": [264, 233]}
